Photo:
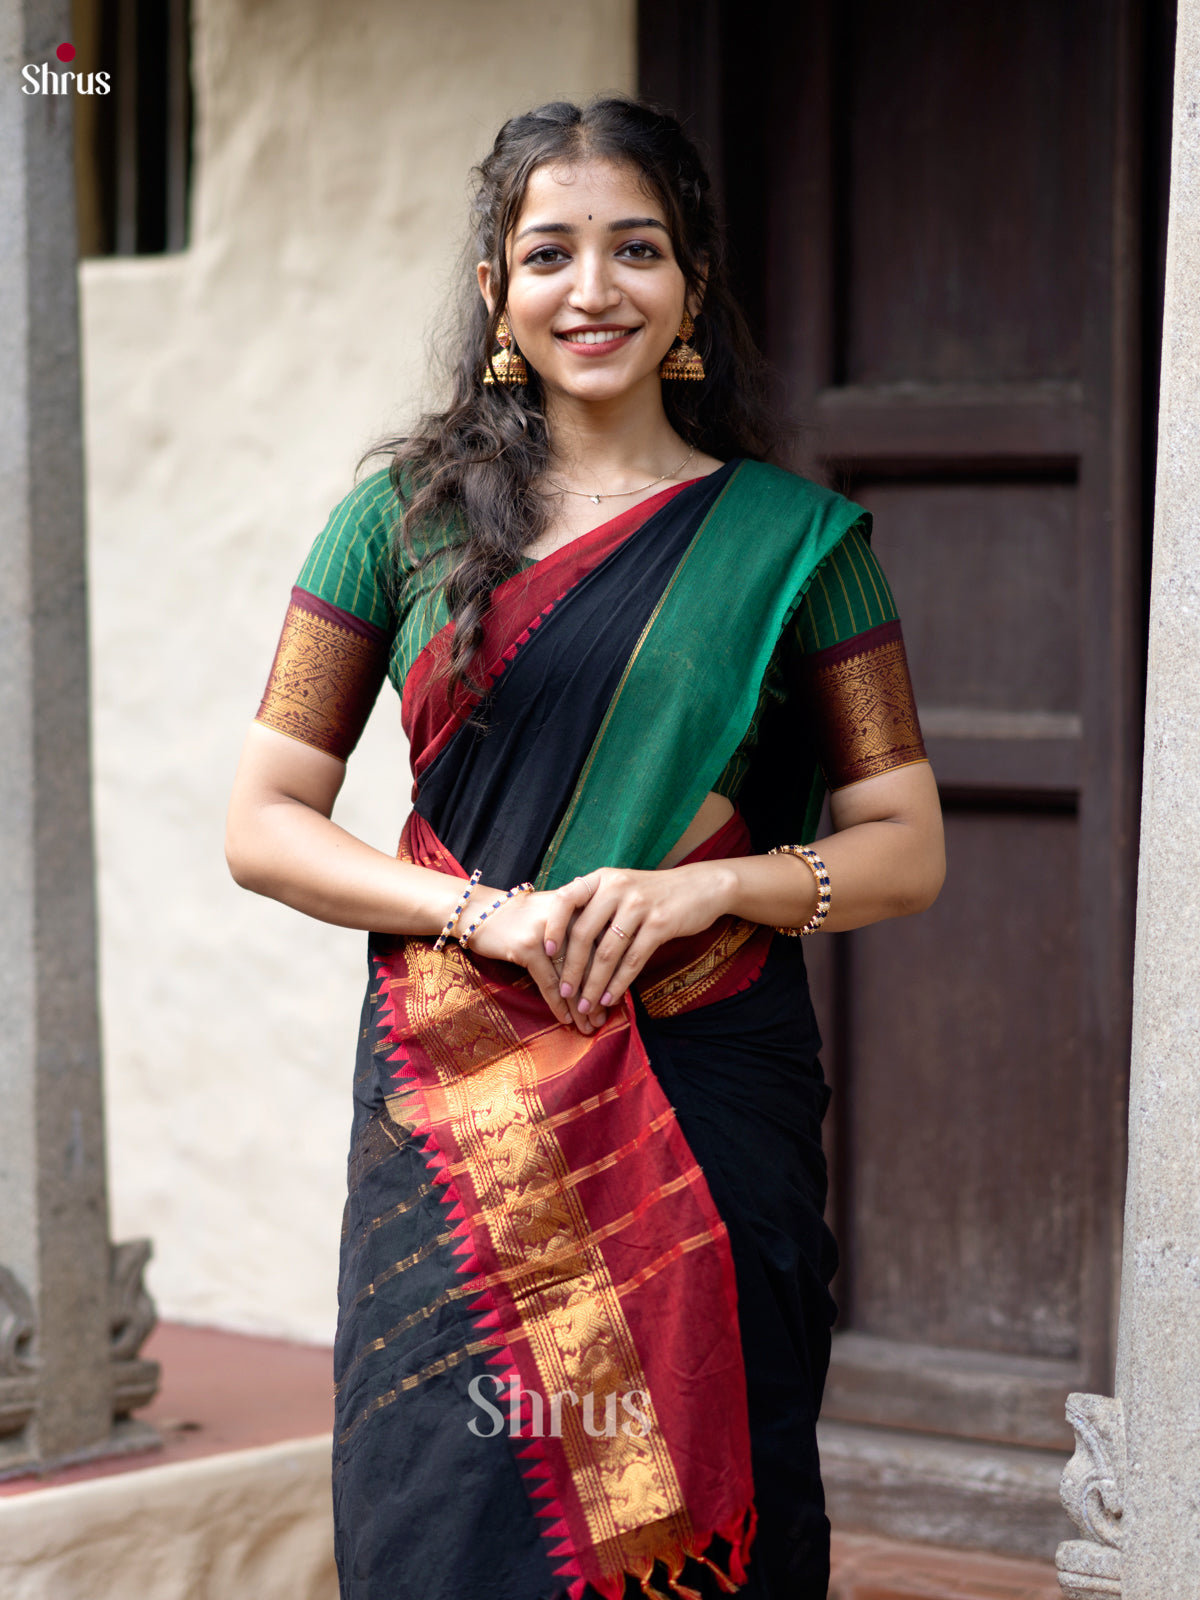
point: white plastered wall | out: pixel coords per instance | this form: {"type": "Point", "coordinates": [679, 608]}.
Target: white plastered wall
{"type": "Point", "coordinates": [229, 392]}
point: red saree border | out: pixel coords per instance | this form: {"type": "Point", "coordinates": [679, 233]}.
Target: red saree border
{"type": "Point", "coordinates": [518, 606]}
{"type": "Point", "coordinates": [595, 1257]}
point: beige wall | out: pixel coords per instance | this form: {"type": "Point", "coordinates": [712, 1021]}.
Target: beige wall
{"type": "Point", "coordinates": [229, 392]}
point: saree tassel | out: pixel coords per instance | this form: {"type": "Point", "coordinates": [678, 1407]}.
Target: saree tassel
{"type": "Point", "coordinates": [675, 1567]}
{"type": "Point", "coordinates": [739, 1552]}
{"type": "Point", "coordinates": [725, 1582]}
{"type": "Point", "coordinates": [653, 1593]}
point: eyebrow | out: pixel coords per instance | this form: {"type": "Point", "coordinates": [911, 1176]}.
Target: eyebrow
{"type": "Point", "coordinates": [613, 227]}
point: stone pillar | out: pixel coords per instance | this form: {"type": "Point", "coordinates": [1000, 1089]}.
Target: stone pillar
{"type": "Point", "coordinates": [72, 1310]}
{"type": "Point", "coordinates": [1133, 1485]}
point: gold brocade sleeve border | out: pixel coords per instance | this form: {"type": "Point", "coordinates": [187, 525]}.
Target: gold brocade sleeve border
{"type": "Point", "coordinates": [861, 701]}
{"type": "Point", "coordinates": [327, 672]}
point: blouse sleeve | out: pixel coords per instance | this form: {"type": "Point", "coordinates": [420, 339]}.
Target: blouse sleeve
{"type": "Point", "coordinates": [333, 651]}
{"type": "Point", "coordinates": [852, 672]}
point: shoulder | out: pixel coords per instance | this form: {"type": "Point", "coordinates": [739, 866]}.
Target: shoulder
{"type": "Point", "coordinates": [362, 519]}
{"type": "Point", "coordinates": [370, 508]}
{"type": "Point", "coordinates": [788, 494]}
{"type": "Point", "coordinates": [347, 564]}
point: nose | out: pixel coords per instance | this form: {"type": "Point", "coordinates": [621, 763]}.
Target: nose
{"type": "Point", "coordinates": [594, 289]}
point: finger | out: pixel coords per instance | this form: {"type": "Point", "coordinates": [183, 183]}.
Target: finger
{"type": "Point", "coordinates": [544, 973]}
{"type": "Point", "coordinates": [609, 951]}
{"type": "Point", "coordinates": [624, 973]}
{"type": "Point", "coordinates": [591, 1017]}
{"type": "Point", "coordinates": [588, 929]}
{"type": "Point", "coordinates": [584, 1020]}
{"type": "Point", "coordinates": [564, 904]}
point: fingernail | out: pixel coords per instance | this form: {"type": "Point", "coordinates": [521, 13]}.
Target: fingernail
{"type": "Point", "coordinates": [566, 990]}
{"type": "Point", "coordinates": [606, 998]}
{"type": "Point", "coordinates": [585, 1005]}
{"type": "Point", "coordinates": [551, 947]}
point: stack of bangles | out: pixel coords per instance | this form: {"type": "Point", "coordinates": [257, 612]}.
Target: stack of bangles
{"type": "Point", "coordinates": [817, 867]}
{"type": "Point", "coordinates": [451, 928]}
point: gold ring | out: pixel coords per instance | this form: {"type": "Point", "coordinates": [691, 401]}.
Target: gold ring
{"type": "Point", "coordinates": [620, 932]}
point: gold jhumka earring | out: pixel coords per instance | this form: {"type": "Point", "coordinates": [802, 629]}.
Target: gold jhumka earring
{"type": "Point", "coordinates": [682, 360]}
{"type": "Point", "coordinates": [508, 364]}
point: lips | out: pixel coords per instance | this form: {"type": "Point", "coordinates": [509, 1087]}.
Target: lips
{"type": "Point", "coordinates": [595, 339]}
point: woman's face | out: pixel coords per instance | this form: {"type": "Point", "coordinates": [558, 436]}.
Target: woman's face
{"type": "Point", "coordinates": [595, 295]}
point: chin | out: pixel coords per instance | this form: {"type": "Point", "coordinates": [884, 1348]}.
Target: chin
{"type": "Point", "coordinates": [599, 386]}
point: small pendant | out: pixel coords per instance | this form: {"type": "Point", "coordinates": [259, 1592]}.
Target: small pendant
{"type": "Point", "coordinates": [595, 499]}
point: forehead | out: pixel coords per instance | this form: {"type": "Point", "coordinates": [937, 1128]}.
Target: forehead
{"type": "Point", "coordinates": [572, 191]}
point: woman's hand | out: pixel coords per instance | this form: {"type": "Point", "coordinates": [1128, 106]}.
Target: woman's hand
{"type": "Point", "coordinates": [604, 927]}
{"type": "Point", "coordinates": [516, 932]}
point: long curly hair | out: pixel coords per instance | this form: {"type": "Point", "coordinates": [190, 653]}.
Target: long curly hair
{"type": "Point", "coordinates": [470, 470]}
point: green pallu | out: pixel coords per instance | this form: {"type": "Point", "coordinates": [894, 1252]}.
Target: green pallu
{"type": "Point", "coordinates": [691, 686]}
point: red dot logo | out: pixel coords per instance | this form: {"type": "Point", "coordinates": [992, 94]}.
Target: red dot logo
{"type": "Point", "coordinates": [65, 52]}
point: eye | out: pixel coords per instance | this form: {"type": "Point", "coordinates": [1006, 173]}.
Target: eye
{"type": "Point", "coordinates": [546, 255]}
{"type": "Point", "coordinates": [640, 250]}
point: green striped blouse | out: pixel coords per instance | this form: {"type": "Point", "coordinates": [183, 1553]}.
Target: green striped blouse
{"type": "Point", "coordinates": [353, 565]}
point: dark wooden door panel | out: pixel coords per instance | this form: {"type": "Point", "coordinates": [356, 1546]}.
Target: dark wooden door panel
{"type": "Point", "coordinates": [961, 211]}
{"type": "Point", "coordinates": [986, 578]}
{"type": "Point", "coordinates": [966, 1215]}
{"type": "Point", "coordinates": [937, 225]}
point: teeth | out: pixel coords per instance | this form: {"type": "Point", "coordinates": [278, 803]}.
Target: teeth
{"type": "Point", "coordinates": [596, 338]}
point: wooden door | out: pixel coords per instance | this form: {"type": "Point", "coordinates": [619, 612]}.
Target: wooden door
{"type": "Point", "coordinates": [941, 228]}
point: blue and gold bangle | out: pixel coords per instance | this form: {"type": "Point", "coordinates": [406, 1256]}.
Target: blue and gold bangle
{"type": "Point", "coordinates": [440, 942]}
{"type": "Point", "coordinates": [520, 888]}
{"type": "Point", "coordinates": [819, 871]}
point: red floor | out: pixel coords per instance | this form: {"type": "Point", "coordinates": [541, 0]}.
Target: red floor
{"type": "Point", "coordinates": [220, 1391]}
{"type": "Point", "coordinates": [231, 1391]}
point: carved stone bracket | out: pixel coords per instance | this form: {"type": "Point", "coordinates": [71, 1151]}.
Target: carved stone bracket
{"type": "Point", "coordinates": [1093, 1494]}
{"type": "Point", "coordinates": [18, 1384]}
{"type": "Point", "coordinates": [131, 1318]}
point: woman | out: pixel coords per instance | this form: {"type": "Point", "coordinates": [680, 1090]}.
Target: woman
{"type": "Point", "coordinates": [584, 1307]}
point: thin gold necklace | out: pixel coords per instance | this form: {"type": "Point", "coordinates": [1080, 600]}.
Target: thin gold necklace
{"type": "Point", "coordinates": [622, 494]}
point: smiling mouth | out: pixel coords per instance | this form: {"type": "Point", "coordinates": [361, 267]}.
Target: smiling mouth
{"type": "Point", "coordinates": [594, 336]}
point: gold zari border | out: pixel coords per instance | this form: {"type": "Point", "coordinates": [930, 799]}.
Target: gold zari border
{"type": "Point", "coordinates": [571, 1309]}
{"type": "Point", "coordinates": [323, 682]}
{"type": "Point", "coordinates": [679, 991]}
{"type": "Point", "coordinates": [866, 716]}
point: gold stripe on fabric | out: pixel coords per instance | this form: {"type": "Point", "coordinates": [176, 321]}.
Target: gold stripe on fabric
{"type": "Point", "coordinates": [565, 1261]}
{"type": "Point", "coordinates": [434, 1370]}
{"type": "Point", "coordinates": [679, 990]}
{"type": "Point", "coordinates": [403, 1265]}
{"type": "Point", "coordinates": [448, 1296]}
{"type": "Point", "coordinates": [572, 1314]}
{"type": "Point", "coordinates": [572, 1113]}
{"type": "Point", "coordinates": [422, 1314]}
{"type": "Point", "coordinates": [399, 1208]}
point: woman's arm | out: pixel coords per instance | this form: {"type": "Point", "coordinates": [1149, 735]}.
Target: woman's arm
{"type": "Point", "coordinates": [886, 858]}
{"type": "Point", "coordinates": [280, 841]}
